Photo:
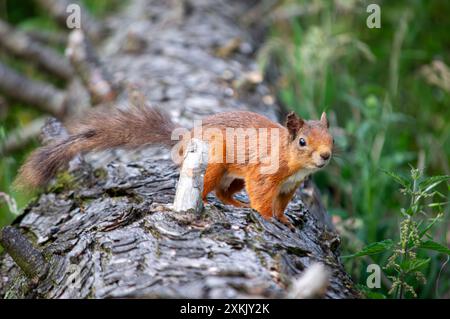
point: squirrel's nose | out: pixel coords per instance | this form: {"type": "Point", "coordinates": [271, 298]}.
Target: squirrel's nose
{"type": "Point", "coordinates": [325, 155]}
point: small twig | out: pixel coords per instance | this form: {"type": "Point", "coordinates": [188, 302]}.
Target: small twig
{"type": "Point", "coordinates": [190, 185]}
{"type": "Point", "coordinates": [21, 137]}
{"type": "Point", "coordinates": [27, 257]}
{"type": "Point", "coordinates": [439, 275]}
{"type": "Point", "coordinates": [42, 95]}
{"type": "Point", "coordinates": [20, 45]}
{"type": "Point", "coordinates": [92, 73]}
{"type": "Point", "coordinates": [312, 283]}
{"type": "Point", "coordinates": [11, 202]}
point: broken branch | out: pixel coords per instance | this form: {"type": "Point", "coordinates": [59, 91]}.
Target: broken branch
{"type": "Point", "coordinates": [42, 95]}
{"type": "Point", "coordinates": [190, 185]}
{"type": "Point", "coordinates": [28, 258]}
{"type": "Point", "coordinates": [48, 37]}
{"type": "Point", "coordinates": [312, 283]}
{"type": "Point", "coordinates": [92, 73]}
{"type": "Point", "coordinates": [22, 46]}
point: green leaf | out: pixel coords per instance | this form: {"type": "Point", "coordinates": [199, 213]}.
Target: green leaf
{"type": "Point", "coordinates": [399, 179]}
{"type": "Point", "coordinates": [375, 295]}
{"type": "Point", "coordinates": [413, 265]}
{"type": "Point", "coordinates": [369, 293]}
{"type": "Point", "coordinates": [440, 204]}
{"type": "Point", "coordinates": [431, 182]}
{"type": "Point", "coordinates": [432, 245]}
{"type": "Point", "coordinates": [428, 227]}
{"type": "Point", "coordinates": [372, 249]}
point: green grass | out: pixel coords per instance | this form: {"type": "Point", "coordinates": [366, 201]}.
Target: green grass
{"type": "Point", "coordinates": [384, 111]}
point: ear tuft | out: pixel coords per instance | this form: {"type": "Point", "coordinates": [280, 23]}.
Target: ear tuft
{"type": "Point", "coordinates": [324, 120]}
{"type": "Point", "coordinates": [293, 124]}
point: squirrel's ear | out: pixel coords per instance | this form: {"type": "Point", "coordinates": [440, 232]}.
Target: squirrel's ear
{"type": "Point", "coordinates": [324, 120]}
{"type": "Point", "coordinates": [293, 124]}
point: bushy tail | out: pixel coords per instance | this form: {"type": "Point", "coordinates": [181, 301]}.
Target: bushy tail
{"type": "Point", "coordinates": [99, 130]}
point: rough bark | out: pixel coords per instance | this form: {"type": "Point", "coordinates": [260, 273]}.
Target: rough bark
{"type": "Point", "coordinates": [107, 230]}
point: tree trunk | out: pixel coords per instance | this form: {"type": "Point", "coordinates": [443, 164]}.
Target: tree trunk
{"type": "Point", "coordinates": [107, 230]}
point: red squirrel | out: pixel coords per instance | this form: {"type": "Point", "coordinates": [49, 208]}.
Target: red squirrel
{"type": "Point", "coordinates": [303, 148]}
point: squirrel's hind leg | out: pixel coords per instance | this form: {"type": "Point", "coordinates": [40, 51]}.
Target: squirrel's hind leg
{"type": "Point", "coordinates": [226, 195]}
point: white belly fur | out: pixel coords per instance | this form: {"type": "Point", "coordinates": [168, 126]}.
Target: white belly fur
{"type": "Point", "coordinates": [292, 181]}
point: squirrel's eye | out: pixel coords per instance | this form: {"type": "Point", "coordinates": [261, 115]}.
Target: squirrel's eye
{"type": "Point", "coordinates": [302, 142]}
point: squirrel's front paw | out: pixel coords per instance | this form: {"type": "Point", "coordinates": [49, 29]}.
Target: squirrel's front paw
{"type": "Point", "coordinates": [287, 222]}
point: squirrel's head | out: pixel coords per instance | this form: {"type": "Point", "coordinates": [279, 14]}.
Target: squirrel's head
{"type": "Point", "coordinates": [311, 143]}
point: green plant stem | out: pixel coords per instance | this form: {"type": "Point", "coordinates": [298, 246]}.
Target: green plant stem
{"type": "Point", "coordinates": [405, 248]}
{"type": "Point", "coordinates": [403, 259]}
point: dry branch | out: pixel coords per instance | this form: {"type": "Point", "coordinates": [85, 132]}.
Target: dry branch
{"type": "Point", "coordinates": [312, 283]}
{"type": "Point", "coordinates": [42, 95]}
{"type": "Point", "coordinates": [94, 76]}
{"type": "Point", "coordinates": [22, 46]}
{"type": "Point", "coordinates": [28, 258]}
{"type": "Point", "coordinates": [51, 38]}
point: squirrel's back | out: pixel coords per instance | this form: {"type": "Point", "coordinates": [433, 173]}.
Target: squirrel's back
{"type": "Point", "coordinates": [239, 119]}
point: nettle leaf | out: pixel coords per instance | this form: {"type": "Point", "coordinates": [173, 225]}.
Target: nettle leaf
{"type": "Point", "coordinates": [372, 249]}
{"type": "Point", "coordinates": [399, 179]}
{"type": "Point", "coordinates": [369, 293]}
{"type": "Point", "coordinates": [432, 245]}
{"type": "Point", "coordinates": [431, 224]}
{"type": "Point", "coordinates": [438, 204]}
{"type": "Point", "coordinates": [415, 264]}
{"type": "Point", "coordinates": [374, 295]}
{"type": "Point", "coordinates": [431, 182]}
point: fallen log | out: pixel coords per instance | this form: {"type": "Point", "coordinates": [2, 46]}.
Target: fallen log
{"type": "Point", "coordinates": [107, 229]}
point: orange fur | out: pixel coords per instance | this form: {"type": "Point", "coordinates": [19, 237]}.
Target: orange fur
{"type": "Point", "coordinates": [266, 192]}
{"type": "Point", "coordinates": [269, 193]}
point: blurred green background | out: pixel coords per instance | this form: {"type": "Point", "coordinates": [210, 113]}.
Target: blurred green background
{"type": "Point", "coordinates": [387, 93]}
